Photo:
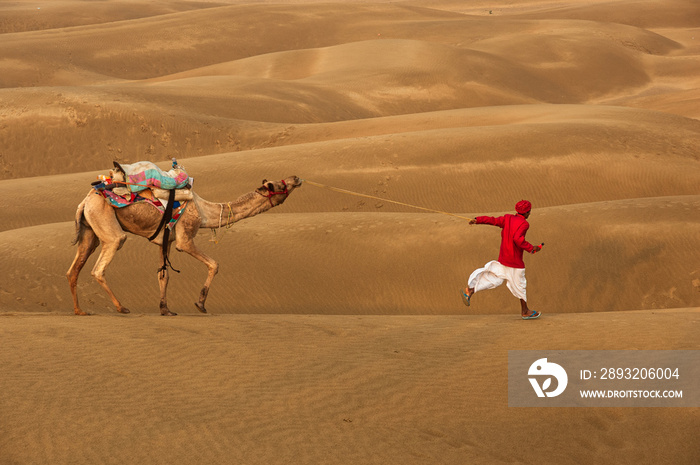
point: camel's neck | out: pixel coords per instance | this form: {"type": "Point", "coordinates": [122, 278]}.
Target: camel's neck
{"type": "Point", "coordinates": [215, 215]}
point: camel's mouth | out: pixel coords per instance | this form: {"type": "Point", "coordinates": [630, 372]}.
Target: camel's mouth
{"type": "Point", "coordinates": [297, 182]}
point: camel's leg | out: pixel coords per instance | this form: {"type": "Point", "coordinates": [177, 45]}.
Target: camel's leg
{"type": "Point", "coordinates": [103, 221]}
{"type": "Point", "coordinates": [87, 245]}
{"type": "Point", "coordinates": [189, 246]}
{"type": "Point", "coordinates": [163, 278]}
{"type": "Point", "coordinates": [98, 272]}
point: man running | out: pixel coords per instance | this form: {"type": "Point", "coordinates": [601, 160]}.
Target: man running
{"type": "Point", "coordinates": [510, 266]}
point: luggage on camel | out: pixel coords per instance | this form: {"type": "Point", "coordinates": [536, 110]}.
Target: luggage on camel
{"type": "Point", "coordinates": [144, 181]}
{"type": "Point", "coordinates": [136, 177]}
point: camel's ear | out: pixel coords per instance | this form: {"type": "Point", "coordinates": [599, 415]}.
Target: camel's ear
{"type": "Point", "coordinates": [264, 182]}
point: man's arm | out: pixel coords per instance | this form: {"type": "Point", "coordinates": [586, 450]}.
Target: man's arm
{"type": "Point", "coordinates": [488, 220]}
{"type": "Point", "coordinates": [520, 241]}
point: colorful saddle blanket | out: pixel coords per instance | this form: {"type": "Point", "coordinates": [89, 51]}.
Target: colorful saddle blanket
{"type": "Point", "coordinates": [145, 174]}
{"type": "Point", "coordinates": [119, 201]}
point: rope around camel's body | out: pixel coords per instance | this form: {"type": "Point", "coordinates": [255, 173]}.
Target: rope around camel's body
{"type": "Point", "coordinates": [344, 191]}
{"type": "Point", "coordinates": [229, 223]}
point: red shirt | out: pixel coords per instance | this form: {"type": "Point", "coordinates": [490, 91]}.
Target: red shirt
{"type": "Point", "coordinates": [513, 243]}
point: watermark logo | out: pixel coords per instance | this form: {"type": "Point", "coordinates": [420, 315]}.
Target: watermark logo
{"type": "Point", "coordinates": [604, 378]}
{"type": "Point", "coordinates": [547, 370]}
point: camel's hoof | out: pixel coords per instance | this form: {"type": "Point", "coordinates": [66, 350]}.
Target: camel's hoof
{"type": "Point", "coordinates": [123, 310]}
{"type": "Point", "coordinates": [167, 313]}
{"type": "Point", "coordinates": [200, 307]}
{"type": "Point", "coordinates": [80, 312]}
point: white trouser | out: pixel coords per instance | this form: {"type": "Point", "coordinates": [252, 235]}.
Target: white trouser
{"type": "Point", "coordinates": [493, 274]}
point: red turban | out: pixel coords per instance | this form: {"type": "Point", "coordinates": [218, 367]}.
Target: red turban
{"type": "Point", "coordinates": [523, 207]}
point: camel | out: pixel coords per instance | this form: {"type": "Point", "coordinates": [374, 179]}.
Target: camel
{"type": "Point", "coordinates": [96, 221]}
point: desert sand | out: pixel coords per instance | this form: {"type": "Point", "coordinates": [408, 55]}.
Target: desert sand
{"type": "Point", "coordinates": [336, 333]}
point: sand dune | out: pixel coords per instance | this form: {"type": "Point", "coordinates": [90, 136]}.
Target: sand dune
{"type": "Point", "coordinates": [316, 389]}
{"type": "Point", "coordinates": [625, 255]}
{"type": "Point", "coordinates": [336, 332]}
{"type": "Point", "coordinates": [448, 161]}
{"type": "Point", "coordinates": [423, 61]}
{"type": "Point", "coordinates": [640, 13]}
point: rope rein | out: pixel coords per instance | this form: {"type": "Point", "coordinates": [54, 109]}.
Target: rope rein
{"type": "Point", "coordinates": [229, 224]}
{"type": "Point", "coordinates": [357, 194]}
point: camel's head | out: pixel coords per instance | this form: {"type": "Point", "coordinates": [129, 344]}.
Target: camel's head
{"type": "Point", "coordinates": [278, 191]}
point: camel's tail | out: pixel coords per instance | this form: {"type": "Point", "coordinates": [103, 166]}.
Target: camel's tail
{"type": "Point", "coordinates": [79, 226]}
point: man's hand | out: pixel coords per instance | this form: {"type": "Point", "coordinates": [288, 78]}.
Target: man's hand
{"type": "Point", "coordinates": [472, 221]}
{"type": "Point", "coordinates": [537, 248]}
